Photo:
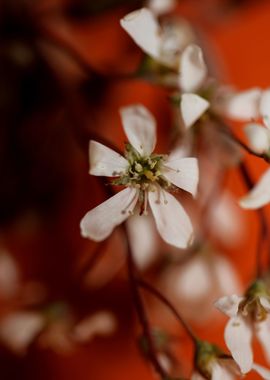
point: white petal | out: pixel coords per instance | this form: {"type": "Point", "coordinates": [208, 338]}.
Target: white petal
{"type": "Point", "coordinates": [160, 7]}
{"type": "Point", "coordinates": [18, 330]}
{"type": "Point", "coordinates": [192, 107]}
{"type": "Point", "coordinates": [243, 105]}
{"type": "Point", "coordinates": [143, 240]}
{"type": "Point", "coordinates": [105, 161]}
{"type": "Point", "coordinates": [192, 69]}
{"type": "Point", "coordinates": [265, 107]}
{"type": "Point", "coordinates": [262, 371]}
{"type": "Point", "coordinates": [101, 323]}
{"type": "Point", "coordinates": [265, 302]}
{"type": "Point", "coordinates": [144, 29]}
{"type": "Point", "coordinates": [260, 195]}
{"type": "Point", "coordinates": [229, 304]}
{"type": "Point", "coordinates": [262, 331]}
{"type": "Point", "coordinates": [238, 336]}
{"type": "Point", "coordinates": [98, 223]}
{"type": "Point", "coordinates": [172, 222]}
{"type": "Point", "coordinates": [221, 373]}
{"type": "Point", "coordinates": [258, 137]}
{"type": "Point", "coordinates": [197, 376]}
{"type": "Point", "coordinates": [140, 128]}
{"type": "Point", "coordinates": [183, 173]}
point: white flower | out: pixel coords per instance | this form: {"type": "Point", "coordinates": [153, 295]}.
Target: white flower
{"type": "Point", "coordinates": [248, 315]}
{"type": "Point", "coordinates": [212, 363]}
{"type": "Point", "coordinates": [162, 43]}
{"type": "Point", "coordinates": [146, 177]}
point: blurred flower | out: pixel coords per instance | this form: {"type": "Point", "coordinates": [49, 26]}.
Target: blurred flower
{"type": "Point", "coordinates": [160, 7]}
{"type": "Point", "coordinates": [247, 314]}
{"type": "Point", "coordinates": [19, 328]}
{"type": "Point", "coordinates": [9, 276]}
{"type": "Point", "coordinates": [197, 283]}
{"type": "Point", "coordinates": [101, 323]}
{"type": "Point", "coordinates": [145, 176]}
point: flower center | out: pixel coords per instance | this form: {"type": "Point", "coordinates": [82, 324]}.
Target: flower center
{"type": "Point", "coordinates": [142, 171]}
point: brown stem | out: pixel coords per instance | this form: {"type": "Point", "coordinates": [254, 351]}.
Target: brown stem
{"type": "Point", "coordinates": [167, 303]}
{"type": "Point", "coordinates": [138, 303]}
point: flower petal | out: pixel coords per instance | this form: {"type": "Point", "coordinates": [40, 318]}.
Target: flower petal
{"type": "Point", "coordinates": [197, 376]}
{"type": "Point", "coordinates": [262, 371]}
{"type": "Point", "coordinates": [98, 223]}
{"type": "Point", "coordinates": [160, 7]}
{"type": "Point", "coordinates": [265, 107]}
{"type": "Point", "coordinates": [192, 107]}
{"type": "Point", "coordinates": [238, 336]}
{"type": "Point", "coordinates": [144, 29]}
{"type": "Point", "coordinates": [140, 128]}
{"type": "Point", "coordinates": [262, 331]}
{"type": "Point", "coordinates": [259, 195]}
{"type": "Point", "coordinates": [105, 161]}
{"type": "Point", "coordinates": [243, 105]}
{"type": "Point", "coordinates": [221, 372]}
{"type": "Point", "coordinates": [265, 302]}
{"type": "Point", "coordinates": [172, 222]}
{"type": "Point", "coordinates": [183, 173]}
{"type": "Point", "coordinates": [143, 240]}
{"type": "Point", "coordinates": [229, 304]}
{"type": "Point", "coordinates": [258, 137]}
{"type": "Point", "coordinates": [192, 69]}
{"type": "Point", "coordinates": [19, 329]}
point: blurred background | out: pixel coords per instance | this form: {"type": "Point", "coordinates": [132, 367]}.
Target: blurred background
{"type": "Point", "coordinates": [65, 68]}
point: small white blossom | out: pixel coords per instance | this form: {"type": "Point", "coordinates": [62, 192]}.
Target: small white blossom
{"type": "Point", "coordinates": [211, 363]}
{"type": "Point", "coordinates": [248, 315]}
{"type": "Point", "coordinates": [146, 177]}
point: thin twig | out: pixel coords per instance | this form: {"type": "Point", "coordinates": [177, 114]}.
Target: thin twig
{"type": "Point", "coordinates": [156, 293]}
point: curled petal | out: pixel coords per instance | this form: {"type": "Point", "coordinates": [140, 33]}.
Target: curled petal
{"type": "Point", "coordinates": [260, 195]}
{"type": "Point", "coordinates": [262, 331]}
{"type": "Point", "coordinates": [98, 223]}
{"type": "Point", "coordinates": [183, 173]}
{"type": "Point", "coordinates": [140, 128]}
{"type": "Point", "coordinates": [262, 371]}
{"type": "Point", "coordinates": [144, 29]}
{"type": "Point", "coordinates": [265, 107]}
{"type": "Point", "coordinates": [105, 161]}
{"type": "Point", "coordinates": [172, 222]}
{"type": "Point", "coordinates": [192, 69]}
{"type": "Point", "coordinates": [229, 304]}
{"type": "Point", "coordinates": [192, 107]}
{"type": "Point", "coordinates": [238, 336]}
{"type": "Point", "coordinates": [243, 105]}
{"type": "Point", "coordinates": [258, 137]}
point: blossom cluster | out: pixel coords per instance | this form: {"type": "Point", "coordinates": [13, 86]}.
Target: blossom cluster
{"type": "Point", "coordinates": [151, 182]}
